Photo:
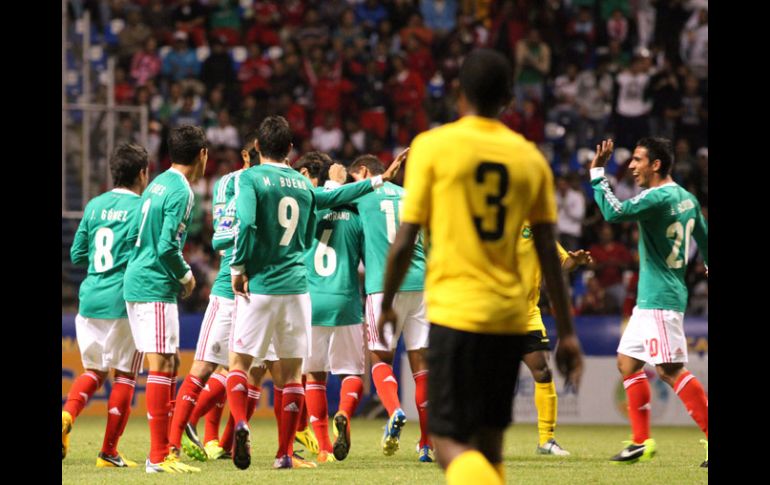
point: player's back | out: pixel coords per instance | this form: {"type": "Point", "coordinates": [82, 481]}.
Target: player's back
{"type": "Point", "coordinates": [167, 199]}
{"type": "Point", "coordinates": [332, 264]}
{"type": "Point", "coordinates": [472, 183]}
{"type": "Point", "coordinates": [381, 216]}
{"type": "Point", "coordinates": [283, 229]}
{"type": "Point", "coordinates": [665, 229]}
{"type": "Point", "coordinates": [105, 239]}
{"type": "Point", "coordinates": [223, 212]}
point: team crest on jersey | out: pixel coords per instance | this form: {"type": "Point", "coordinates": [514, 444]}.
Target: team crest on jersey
{"type": "Point", "coordinates": [219, 211]}
{"type": "Point", "coordinates": [526, 233]}
{"type": "Point", "coordinates": [180, 231]}
{"type": "Point", "coordinates": [226, 222]}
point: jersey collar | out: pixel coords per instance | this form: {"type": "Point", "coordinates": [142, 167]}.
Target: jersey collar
{"type": "Point", "coordinates": [187, 182]}
{"type": "Point", "coordinates": [118, 190]}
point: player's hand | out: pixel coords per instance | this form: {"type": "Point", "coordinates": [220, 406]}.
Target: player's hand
{"type": "Point", "coordinates": [387, 319]}
{"type": "Point", "coordinates": [581, 257]}
{"type": "Point", "coordinates": [240, 285]}
{"type": "Point", "coordinates": [569, 360]}
{"type": "Point", "coordinates": [395, 165]}
{"type": "Point", "coordinates": [188, 288]}
{"type": "Point", "coordinates": [338, 173]}
{"type": "Point", "coordinates": [603, 152]}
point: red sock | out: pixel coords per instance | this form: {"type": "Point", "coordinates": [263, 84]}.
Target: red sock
{"type": "Point", "coordinates": [255, 392]}
{"type": "Point", "coordinates": [217, 396]}
{"type": "Point", "coordinates": [171, 401]}
{"type": "Point", "coordinates": [387, 386]}
{"type": "Point", "coordinates": [318, 408]}
{"type": "Point", "coordinates": [81, 391]}
{"type": "Point", "coordinates": [691, 392]}
{"type": "Point", "coordinates": [302, 423]}
{"type": "Point", "coordinates": [350, 394]}
{"type": "Point", "coordinates": [291, 406]}
{"type": "Point", "coordinates": [638, 394]}
{"type": "Point", "coordinates": [277, 399]}
{"type": "Point", "coordinates": [185, 403]}
{"type": "Point", "coordinates": [421, 400]}
{"type": "Point", "coordinates": [119, 408]}
{"type": "Point", "coordinates": [157, 396]}
{"type": "Point", "coordinates": [213, 392]}
{"type": "Point", "coordinates": [227, 435]}
{"type": "Point", "coordinates": [237, 394]}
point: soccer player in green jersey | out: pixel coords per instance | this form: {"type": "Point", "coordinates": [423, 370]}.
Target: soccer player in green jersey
{"type": "Point", "coordinates": [155, 275]}
{"type": "Point", "coordinates": [667, 216]}
{"type": "Point", "coordinates": [275, 223]}
{"type": "Point", "coordinates": [337, 343]}
{"type": "Point", "coordinates": [380, 214]}
{"type": "Point", "coordinates": [103, 242]}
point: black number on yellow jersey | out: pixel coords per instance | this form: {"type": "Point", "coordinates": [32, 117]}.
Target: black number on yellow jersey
{"type": "Point", "coordinates": [493, 201]}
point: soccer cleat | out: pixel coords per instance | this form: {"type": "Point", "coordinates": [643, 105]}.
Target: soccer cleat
{"type": "Point", "coordinates": [633, 453]}
{"type": "Point", "coordinates": [66, 429]}
{"type": "Point", "coordinates": [283, 462]}
{"type": "Point", "coordinates": [299, 462]}
{"type": "Point", "coordinates": [307, 439]}
{"type": "Point", "coordinates": [342, 436]}
{"type": "Point", "coordinates": [325, 457]}
{"type": "Point", "coordinates": [104, 460]}
{"type": "Point", "coordinates": [393, 432]}
{"type": "Point", "coordinates": [426, 454]}
{"type": "Point", "coordinates": [191, 444]}
{"type": "Point", "coordinates": [170, 464]}
{"type": "Point", "coordinates": [213, 450]}
{"type": "Point", "coordinates": [242, 446]}
{"type": "Point", "coordinates": [705, 443]}
{"type": "Point", "coordinates": [551, 447]}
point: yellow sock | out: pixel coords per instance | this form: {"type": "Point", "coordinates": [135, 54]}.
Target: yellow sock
{"type": "Point", "coordinates": [472, 467]}
{"type": "Point", "coordinates": [545, 401]}
{"type": "Point", "coordinates": [500, 469]}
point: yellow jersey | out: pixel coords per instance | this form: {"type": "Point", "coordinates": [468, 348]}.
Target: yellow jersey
{"type": "Point", "coordinates": [472, 184]}
{"type": "Point", "coordinates": [529, 265]}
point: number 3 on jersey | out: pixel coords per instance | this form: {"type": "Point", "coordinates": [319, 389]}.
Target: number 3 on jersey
{"type": "Point", "coordinates": [493, 201]}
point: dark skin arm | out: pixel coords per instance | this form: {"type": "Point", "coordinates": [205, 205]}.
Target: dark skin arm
{"type": "Point", "coordinates": [569, 358]}
{"type": "Point", "coordinates": [399, 257]}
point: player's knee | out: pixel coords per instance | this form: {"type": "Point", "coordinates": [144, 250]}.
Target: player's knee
{"type": "Point", "coordinates": [542, 374]}
{"type": "Point", "coordinates": [669, 372]}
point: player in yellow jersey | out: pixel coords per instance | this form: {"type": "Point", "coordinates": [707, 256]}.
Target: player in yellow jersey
{"type": "Point", "coordinates": [472, 184]}
{"type": "Point", "coordinates": [536, 347]}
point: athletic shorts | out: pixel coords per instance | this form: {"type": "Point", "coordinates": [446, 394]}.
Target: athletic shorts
{"type": "Point", "coordinates": [655, 336]}
{"type": "Point", "coordinates": [410, 309]}
{"type": "Point", "coordinates": [155, 326]}
{"type": "Point", "coordinates": [107, 344]}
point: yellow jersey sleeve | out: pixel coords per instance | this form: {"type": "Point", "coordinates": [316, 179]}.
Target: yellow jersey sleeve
{"type": "Point", "coordinates": [418, 181]}
{"type": "Point", "coordinates": [544, 207]}
{"type": "Point", "coordinates": [563, 254]}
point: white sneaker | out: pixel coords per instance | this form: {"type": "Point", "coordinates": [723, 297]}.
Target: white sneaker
{"type": "Point", "coordinates": [551, 447]}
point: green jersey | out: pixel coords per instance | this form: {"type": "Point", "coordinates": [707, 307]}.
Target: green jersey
{"type": "Point", "coordinates": [667, 216]}
{"type": "Point", "coordinates": [275, 224]}
{"type": "Point", "coordinates": [334, 194]}
{"type": "Point", "coordinates": [103, 241]}
{"type": "Point", "coordinates": [223, 208]}
{"type": "Point", "coordinates": [380, 214]}
{"type": "Point", "coordinates": [157, 269]}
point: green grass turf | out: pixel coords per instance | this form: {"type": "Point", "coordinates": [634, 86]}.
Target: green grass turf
{"type": "Point", "coordinates": [678, 459]}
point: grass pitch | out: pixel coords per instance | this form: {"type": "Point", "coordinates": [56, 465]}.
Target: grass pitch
{"type": "Point", "coordinates": [678, 459]}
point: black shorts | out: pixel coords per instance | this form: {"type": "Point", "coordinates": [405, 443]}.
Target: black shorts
{"type": "Point", "coordinates": [536, 340]}
{"type": "Point", "coordinates": [472, 381]}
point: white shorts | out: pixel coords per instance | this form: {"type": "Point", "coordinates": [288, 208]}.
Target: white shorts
{"type": "Point", "coordinates": [655, 336]}
{"type": "Point", "coordinates": [107, 344]}
{"type": "Point", "coordinates": [410, 308]}
{"type": "Point", "coordinates": [214, 337]}
{"type": "Point", "coordinates": [284, 319]}
{"type": "Point", "coordinates": [337, 349]}
{"type": "Point", "coordinates": [155, 326]}
{"type": "Point", "coordinates": [271, 356]}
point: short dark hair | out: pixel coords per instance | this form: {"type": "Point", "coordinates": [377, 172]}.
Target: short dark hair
{"type": "Point", "coordinates": [274, 136]}
{"type": "Point", "coordinates": [317, 165]}
{"type": "Point", "coordinates": [185, 143]}
{"type": "Point", "coordinates": [486, 79]}
{"type": "Point", "coordinates": [374, 164]}
{"type": "Point", "coordinates": [127, 160]}
{"type": "Point", "coordinates": [659, 149]}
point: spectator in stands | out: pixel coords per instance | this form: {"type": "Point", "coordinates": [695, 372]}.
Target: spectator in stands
{"type": "Point", "coordinates": [596, 300]}
{"type": "Point", "coordinates": [370, 13]}
{"type": "Point", "coordinates": [416, 28]}
{"type": "Point", "coordinates": [181, 63]}
{"type": "Point", "coordinates": [225, 22]}
{"type": "Point", "coordinates": [189, 16]}
{"type": "Point", "coordinates": [348, 30]}
{"type": "Point", "coordinates": [508, 29]}
{"type": "Point", "coordinates": [157, 16]}
{"type": "Point", "coordinates": [632, 120]}
{"type": "Point", "coordinates": [217, 69]}
{"type": "Point", "coordinates": [684, 162]}
{"type": "Point", "coordinates": [133, 36]}
{"type": "Point", "coordinates": [594, 103]}
{"type": "Point", "coordinates": [296, 115]}
{"type": "Point", "coordinates": [665, 93]}
{"type": "Point", "coordinates": [611, 259]}
{"type": "Point", "coordinates": [224, 133]}
{"type": "Point", "coordinates": [565, 91]}
{"type": "Point", "coordinates": [692, 120]}
{"type": "Point", "coordinates": [533, 63]}
{"type": "Point", "coordinates": [124, 92]}
{"type": "Point", "coordinates": [145, 65]}
{"type": "Point", "coordinates": [694, 44]}
{"type": "Point", "coordinates": [581, 36]}
{"type": "Point", "coordinates": [571, 206]}
{"type": "Point", "coordinates": [617, 26]}
{"type": "Point", "coordinates": [532, 123]}
{"type": "Point", "coordinates": [406, 91]}
{"type": "Point", "coordinates": [188, 114]}
{"type": "Point", "coordinates": [440, 15]}
{"type": "Point", "coordinates": [328, 138]}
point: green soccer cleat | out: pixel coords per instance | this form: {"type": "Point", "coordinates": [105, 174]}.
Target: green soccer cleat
{"type": "Point", "coordinates": [633, 453]}
{"type": "Point", "coordinates": [705, 443]}
{"type": "Point", "coordinates": [192, 446]}
{"type": "Point", "coordinates": [307, 439]}
{"type": "Point", "coordinates": [213, 450]}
